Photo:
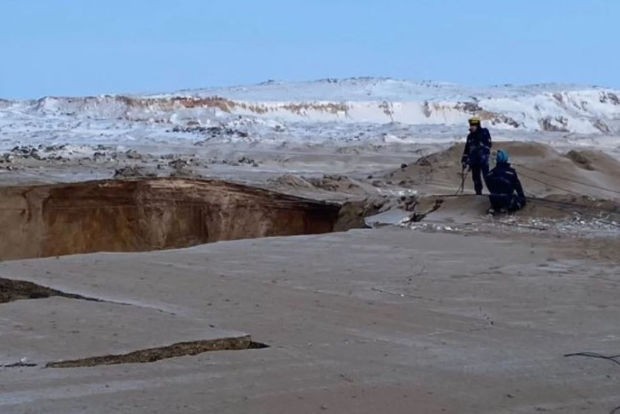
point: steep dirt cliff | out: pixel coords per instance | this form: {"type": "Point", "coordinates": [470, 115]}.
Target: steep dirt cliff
{"type": "Point", "coordinates": [144, 215]}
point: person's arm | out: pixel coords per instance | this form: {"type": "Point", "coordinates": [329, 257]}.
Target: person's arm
{"type": "Point", "coordinates": [465, 157]}
{"type": "Point", "coordinates": [519, 188]}
{"type": "Point", "coordinates": [487, 135]}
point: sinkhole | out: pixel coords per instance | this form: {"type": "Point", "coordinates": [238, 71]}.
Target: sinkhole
{"type": "Point", "coordinates": [148, 214]}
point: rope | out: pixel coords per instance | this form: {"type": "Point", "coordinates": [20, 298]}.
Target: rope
{"type": "Point", "coordinates": [569, 179]}
{"type": "Point", "coordinates": [464, 174]}
{"type": "Point", "coordinates": [549, 184]}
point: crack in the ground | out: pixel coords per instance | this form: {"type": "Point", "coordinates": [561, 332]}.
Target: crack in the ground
{"type": "Point", "coordinates": [165, 352]}
{"type": "Point", "coordinates": [19, 364]}
{"type": "Point", "coordinates": [12, 290]}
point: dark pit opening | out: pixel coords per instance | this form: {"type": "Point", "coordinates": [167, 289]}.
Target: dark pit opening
{"type": "Point", "coordinates": [149, 214]}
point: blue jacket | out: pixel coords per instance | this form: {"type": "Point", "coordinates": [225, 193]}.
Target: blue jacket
{"type": "Point", "coordinates": [503, 180]}
{"type": "Point", "coordinates": [477, 147]}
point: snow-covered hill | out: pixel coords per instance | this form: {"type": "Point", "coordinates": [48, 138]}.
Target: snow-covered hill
{"type": "Point", "coordinates": [327, 109]}
{"type": "Point", "coordinates": [548, 107]}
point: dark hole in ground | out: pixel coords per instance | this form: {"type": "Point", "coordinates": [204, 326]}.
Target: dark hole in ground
{"type": "Point", "coordinates": [164, 352]}
{"type": "Point", "coordinates": [149, 214]}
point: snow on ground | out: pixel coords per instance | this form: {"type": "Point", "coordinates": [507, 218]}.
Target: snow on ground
{"type": "Point", "coordinates": [349, 112]}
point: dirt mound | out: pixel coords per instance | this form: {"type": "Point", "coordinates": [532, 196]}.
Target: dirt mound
{"type": "Point", "coordinates": [329, 183]}
{"type": "Point", "coordinates": [593, 160]}
{"type": "Point", "coordinates": [521, 150]}
{"type": "Point", "coordinates": [439, 170]}
{"type": "Point", "coordinates": [543, 171]}
{"type": "Point", "coordinates": [447, 158]}
{"type": "Point", "coordinates": [139, 215]}
{"type": "Point", "coordinates": [133, 171]}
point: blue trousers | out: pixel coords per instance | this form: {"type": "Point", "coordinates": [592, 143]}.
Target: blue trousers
{"type": "Point", "coordinates": [506, 202]}
{"type": "Point", "coordinates": [478, 173]}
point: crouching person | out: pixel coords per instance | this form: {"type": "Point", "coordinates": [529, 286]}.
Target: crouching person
{"type": "Point", "coordinates": [504, 185]}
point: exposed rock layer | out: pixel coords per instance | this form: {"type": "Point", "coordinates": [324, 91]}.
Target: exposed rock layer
{"type": "Point", "coordinates": [145, 215]}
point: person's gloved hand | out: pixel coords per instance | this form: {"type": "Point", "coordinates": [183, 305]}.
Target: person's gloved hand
{"type": "Point", "coordinates": [464, 162]}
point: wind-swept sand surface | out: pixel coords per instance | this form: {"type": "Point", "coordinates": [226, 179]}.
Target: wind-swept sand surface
{"type": "Point", "coordinates": [388, 319]}
{"type": "Point", "coordinates": [437, 309]}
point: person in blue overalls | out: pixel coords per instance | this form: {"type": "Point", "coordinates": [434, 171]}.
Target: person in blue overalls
{"type": "Point", "coordinates": [504, 185]}
{"type": "Point", "coordinates": [476, 153]}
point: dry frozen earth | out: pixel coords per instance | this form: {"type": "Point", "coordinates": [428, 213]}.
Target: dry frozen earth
{"type": "Point", "coordinates": [388, 320]}
{"type": "Point", "coordinates": [452, 311]}
{"type": "Point", "coordinates": [457, 313]}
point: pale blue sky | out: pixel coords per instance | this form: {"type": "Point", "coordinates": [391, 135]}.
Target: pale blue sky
{"type": "Point", "coordinates": [79, 47]}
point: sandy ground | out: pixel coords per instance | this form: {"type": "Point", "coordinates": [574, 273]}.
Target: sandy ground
{"type": "Point", "coordinates": [458, 312]}
{"type": "Point", "coordinates": [386, 319]}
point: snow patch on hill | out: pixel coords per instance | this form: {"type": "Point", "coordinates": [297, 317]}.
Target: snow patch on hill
{"type": "Point", "coordinates": [349, 110]}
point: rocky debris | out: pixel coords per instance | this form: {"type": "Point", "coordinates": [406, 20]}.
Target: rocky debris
{"type": "Point", "coordinates": [601, 126]}
{"type": "Point", "coordinates": [503, 119]}
{"type": "Point", "coordinates": [609, 97]}
{"type": "Point", "coordinates": [469, 107]}
{"type": "Point", "coordinates": [182, 168]}
{"type": "Point", "coordinates": [211, 132]}
{"type": "Point", "coordinates": [575, 225]}
{"type": "Point", "coordinates": [352, 213]}
{"type": "Point", "coordinates": [408, 202]}
{"type": "Point", "coordinates": [244, 160]}
{"type": "Point", "coordinates": [556, 124]}
{"type": "Point", "coordinates": [132, 171]}
{"type": "Point", "coordinates": [100, 156]}
{"type": "Point", "coordinates": [40, 152]}
{"type": "Point", "coordinates": [388, 109]}
{"type": "Point", "coordinates": [26, 151]}
{"type": "Point", "coordinates": [133, 154]}
{"type": "Point", "coordinates": [192, 129]}
{"type": "Point", "coordinates": [474, 108]}
{"type": "Point", "coordinates": [333, 182]}
{"type": "Point", "coordinates": [178, 164]}
{"type": "Point", "coordinates": [177, 161]}
{"type": "Point", "coordinates": [427, 110]}
{"type": "Point", "coordinates": [290, 181]}
{"type": "Point", "coordinates": [185, 173]}
{"type": "Point", "coordinates": [64, 153]}
{"type": "Point", "coordinates": [247, 160]}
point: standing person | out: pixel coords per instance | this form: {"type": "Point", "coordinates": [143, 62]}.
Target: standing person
{"type": "Point", "coordinates": [504, 185]}
{"type": "Point", "coordinates": [476, 153]}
